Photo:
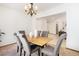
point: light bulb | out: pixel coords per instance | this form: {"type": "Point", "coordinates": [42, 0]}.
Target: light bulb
{"type": "Point", "coordinates": [29, 6]}
{"type": "Point", "coordinates": [25, 7]}
{"type": "Point", "coordinates": [36, 8]}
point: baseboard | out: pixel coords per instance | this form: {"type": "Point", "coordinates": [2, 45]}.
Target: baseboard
{"type": "Point", "coordinates": [8, 44]}
{"type": "Point", "coordinates": [72, 49]}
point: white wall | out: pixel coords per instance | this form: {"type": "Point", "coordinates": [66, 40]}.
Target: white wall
{"type": "Point", "coordinates": [73, 26]}
{"type": "Point", "coordinates": [11, 21]}
{"type": "Point", "coordinates": [40, 24]}
{"type": "Point", "coordinates": [59, 19]}
{"type": "Point", "coordinates": [49, 22]}
{"type": "Point", "coordinates": [53, 11]}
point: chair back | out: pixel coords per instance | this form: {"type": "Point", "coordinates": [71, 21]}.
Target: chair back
{"type": "Point", "coordinates": [19, 43]}
{"type": "Point", "coordinates": [59, 42]}
{"type": "Point", "coordinates": [25, 44]}
{"type": "Point", "coordinates": [38, 33]}
{"type": "Point", "coordinates": [44, 34]}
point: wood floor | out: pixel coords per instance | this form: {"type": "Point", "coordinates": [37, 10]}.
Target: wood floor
{"type": "Point", "coordinates": [10, 50]}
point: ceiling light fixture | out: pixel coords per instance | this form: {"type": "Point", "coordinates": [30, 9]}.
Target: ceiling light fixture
{"type": "Point", "coordinates": [31, 9]}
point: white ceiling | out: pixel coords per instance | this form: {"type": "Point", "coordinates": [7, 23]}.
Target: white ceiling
{"type": "Point", "coordinates": [41, 6]}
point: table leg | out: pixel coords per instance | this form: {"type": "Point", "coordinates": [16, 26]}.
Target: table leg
{"type": "Point", "coordinates": [39, 52]}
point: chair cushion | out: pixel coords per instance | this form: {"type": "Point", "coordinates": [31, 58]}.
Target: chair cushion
{"type": "Point", "coordinates": [48, 50]}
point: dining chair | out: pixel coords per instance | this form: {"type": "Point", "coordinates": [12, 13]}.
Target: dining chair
{"type": "Point", "coordinates": [23, 32]}
{"type": "Point", "coordinates": [44, 33]}
{"type": "Point", "coordinates": [38, 33]}
{"type": "Point", "coordinates": [53, 51]}
{"type": "Point", "coordinates": [19, 44]}
{"type": "Point", "coordinates": [27, 48]}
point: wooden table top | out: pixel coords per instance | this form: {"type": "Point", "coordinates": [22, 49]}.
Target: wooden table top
{"type": "Point", "coordinates": [40, 41]}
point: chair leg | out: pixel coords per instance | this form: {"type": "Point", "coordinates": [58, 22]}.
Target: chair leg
{"type": "Point", "coordinates": [24, 53]}
{"type": "Point", "coordinates": [42, 54]}
{"type": "Point", "coordinates": [30, 54]}
{"type": "Point", "coordinates": [58, 54]}
{"type": "Point", "coordinates": [20, 51]}
{"type": "Point", "coordinates": [38, 52]}
{"type": "Point", "coordinates": [17, 48]}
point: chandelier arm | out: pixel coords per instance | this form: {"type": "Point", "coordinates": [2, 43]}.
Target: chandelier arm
{"type": "Point", "coordinates": [31, 11]}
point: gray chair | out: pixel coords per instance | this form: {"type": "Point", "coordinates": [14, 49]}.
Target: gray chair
{"type": "Point", "coordinates": [53, 51]}
{"type": "Point", "coordinates": [38, 33]}
{"type": "Point", "coordinates": [33, 46]}
{"type": "Point", "coordinates": [19, 44]}
{"type": "Point", "coordinates": [44, 33]}
{"type": "Point", "coordinates": [27, 48]}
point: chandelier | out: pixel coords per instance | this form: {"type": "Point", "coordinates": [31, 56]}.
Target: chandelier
{"type": "Point", "coordinates": [31, 9]}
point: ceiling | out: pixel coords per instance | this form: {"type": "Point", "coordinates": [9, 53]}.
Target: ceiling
{"type": "Point", "coordinates": [41, 6]}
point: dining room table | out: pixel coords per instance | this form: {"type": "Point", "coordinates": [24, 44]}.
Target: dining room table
{"type": "Point", "coordinates": [39, 41]}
